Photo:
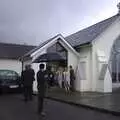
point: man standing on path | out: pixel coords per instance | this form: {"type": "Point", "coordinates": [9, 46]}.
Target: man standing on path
{"type": "Point", "coordinates": [72, 78]}
{"type": "Point", "coordinates": [41, 85]}
{"type": "Point", "coordinates": [27, 77]}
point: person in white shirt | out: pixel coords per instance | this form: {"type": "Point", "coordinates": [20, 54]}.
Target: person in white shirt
{"type": "Point", "coordinates": [66, 76]}
{"type": "Point", "coordinates": [60, 77]}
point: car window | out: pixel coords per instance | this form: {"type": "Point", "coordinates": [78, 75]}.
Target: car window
{"type": "Point", "coordinates": [6, 74]}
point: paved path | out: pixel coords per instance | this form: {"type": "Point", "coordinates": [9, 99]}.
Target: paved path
{"type": "Point", "coordinates": [99, 101]}
{"type": "Point", "coordinates": [13, 108]}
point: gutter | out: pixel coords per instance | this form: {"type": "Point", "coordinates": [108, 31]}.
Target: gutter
{"type": "Point", "coordinates": [89, 44]}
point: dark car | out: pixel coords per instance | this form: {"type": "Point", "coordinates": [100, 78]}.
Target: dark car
{"type": "Point", "coordinates": [9, 80]}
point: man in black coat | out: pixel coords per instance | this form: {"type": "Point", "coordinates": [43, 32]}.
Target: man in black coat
{"type": "Point", "coordinates": [27, 77]}
{"type": "Point", "coordinates": [42, 77]}
{"type": "Point", "coordinates": [72, 78]}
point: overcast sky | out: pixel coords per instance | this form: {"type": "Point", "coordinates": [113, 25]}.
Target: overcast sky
{"type": "Point", "coordinates": [34, 21]}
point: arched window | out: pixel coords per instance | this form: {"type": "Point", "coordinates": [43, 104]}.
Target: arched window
{"type": "Point", "coordinates": [115, 60]}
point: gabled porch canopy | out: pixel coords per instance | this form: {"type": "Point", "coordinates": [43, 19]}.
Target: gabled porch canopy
{"type": "Point", "coordinates": [60, 39]}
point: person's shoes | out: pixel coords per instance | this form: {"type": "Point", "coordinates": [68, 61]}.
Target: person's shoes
{"type": "Point", "coordinates": [42, 114]}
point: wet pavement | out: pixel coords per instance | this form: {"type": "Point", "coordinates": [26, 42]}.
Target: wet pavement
{"type": "Point", "coordinates": [98, 101]}
{"type": "Point", "coordinates": [12, 107]}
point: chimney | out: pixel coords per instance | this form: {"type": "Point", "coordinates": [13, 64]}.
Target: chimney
{"type": "Point", "coordinates": [118, 6]}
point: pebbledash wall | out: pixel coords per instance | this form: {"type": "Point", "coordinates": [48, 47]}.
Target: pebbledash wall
{"type": "Point", "coordinates": [8, 64]}
{"type": "Point", "coordinates": [104, 44]}
{"type": "Point", "coordinates": [93, 58]}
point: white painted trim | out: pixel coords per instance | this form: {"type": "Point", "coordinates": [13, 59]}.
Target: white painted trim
{"type": "Point", "coordinates": [38, 54]}
{"type": "Point", "coordinates": [53, 41]}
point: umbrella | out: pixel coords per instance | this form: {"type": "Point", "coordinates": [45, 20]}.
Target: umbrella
{"type": "Point", "coordinates": [47, 57]}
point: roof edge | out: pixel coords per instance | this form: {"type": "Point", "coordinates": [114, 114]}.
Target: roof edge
{"type": "Point", "coordinates": [93, 25]}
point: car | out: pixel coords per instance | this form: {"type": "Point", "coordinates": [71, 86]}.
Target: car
{"type": "Point", "coordinates": [9, 80]}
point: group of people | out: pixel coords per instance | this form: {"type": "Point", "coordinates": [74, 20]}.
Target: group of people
{"type": "Point", "coordinates": [64, 77]}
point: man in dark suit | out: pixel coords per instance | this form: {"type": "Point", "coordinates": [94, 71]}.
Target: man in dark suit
{"type": "Point", "coordinates": [27, 77]}
{"type": "Point", "coordinates": [42, 77]}
{"type": "Point", "coordinates": [72, 78]}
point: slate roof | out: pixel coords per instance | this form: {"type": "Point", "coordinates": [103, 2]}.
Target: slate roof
{"type": "Point", "coordinates": [84, 36]}
{"type": "Point", "coordinates": [13, 51]}
{"type": "Point", "coordinates": [88, 34]}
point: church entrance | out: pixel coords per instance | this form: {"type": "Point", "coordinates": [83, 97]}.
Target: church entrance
{"type": "Point", "coordinates": [59, 49]}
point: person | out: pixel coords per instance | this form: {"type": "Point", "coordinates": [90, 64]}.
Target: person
{"type": "Point", "coordinates": [50, 77]}
{"type": "Point", "coordinates": [66, 77]}
{"type": "Point", "coordinates": [60, 77]}
{"type": "Point", "coordinates": [42, 77]}
{"type": "Point", "coordinates": [72, 78]}
{"type": "Point", "coordinates": [27, 77]}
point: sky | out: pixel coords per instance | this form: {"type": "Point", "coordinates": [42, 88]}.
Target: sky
{"type": "Point", "coordinates": [34, 21]}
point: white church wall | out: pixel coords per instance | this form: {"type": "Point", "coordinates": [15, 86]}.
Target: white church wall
{"type": "Point", "coordinates": [104, 43]}
{"type": "Point", "coordinates": [83, 72]}
{"type": "Point", "coordinates": [72, 59]}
